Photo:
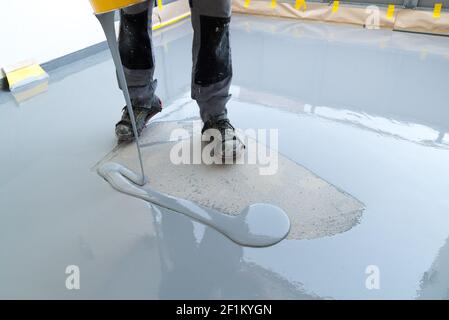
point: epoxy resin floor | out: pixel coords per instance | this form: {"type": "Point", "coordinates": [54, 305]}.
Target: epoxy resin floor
{"type": "Point", "coordinates": [366, 110]}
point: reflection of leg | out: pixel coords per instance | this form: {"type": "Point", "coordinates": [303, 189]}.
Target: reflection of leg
{"type": "Point", "coordinates": [212, 66]}
{"type": "Point", "coordinates": [223, 274]}
{"type": "Point", "coordinates": [440, 137]}
{"type": "Point", "coordinates": [181, 278]}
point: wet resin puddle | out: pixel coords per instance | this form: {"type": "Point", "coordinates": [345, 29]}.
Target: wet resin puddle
{"type": "Point", "coordinates": [257, 225]}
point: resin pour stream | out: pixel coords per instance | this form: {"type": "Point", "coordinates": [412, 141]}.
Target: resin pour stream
{"type": "Point", "coordinates": [258, 225]}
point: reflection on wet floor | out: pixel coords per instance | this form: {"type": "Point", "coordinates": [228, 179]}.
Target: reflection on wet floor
{"type": "Point", "coordinates": [362, 109]}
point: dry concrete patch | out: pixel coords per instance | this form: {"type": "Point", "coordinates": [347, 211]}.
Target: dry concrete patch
{"type": "Point", "coordinates": [315, 207]}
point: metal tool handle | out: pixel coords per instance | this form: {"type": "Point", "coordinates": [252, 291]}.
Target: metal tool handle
{"type": "Point", "coordinates": [108, 25]}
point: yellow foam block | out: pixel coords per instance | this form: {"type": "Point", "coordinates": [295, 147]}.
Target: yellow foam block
{"type": "Point", "coordinates": [274, 4]}
{"type": "Point", "coordinates": [24, 74]}
{"type": "Point", "coordinates": [247, 3]}
{"type": "Point", "coordinates": [103, 6]}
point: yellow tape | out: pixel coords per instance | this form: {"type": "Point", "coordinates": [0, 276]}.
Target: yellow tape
{"type": "Point", "coordinates": [300, 3]}
{"type": "Point", "coordinates": [246, 4]}
{"type": "Point", "coordinates": [335, 6]}
{"type": "Point", "coordinates": [273, 4]}
{"type": "Point", "coordinates": [171, 21]}
{"type": "Point", "coordinates": [437, 10]}
{"type": "Point", "coordinates": [16, 76]}
{"type": "Point", "coordinates": [390, 11]}
{"type": "Point", "coordinates": [160, 5]}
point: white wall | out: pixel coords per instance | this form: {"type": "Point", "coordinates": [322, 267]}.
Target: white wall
{"type": "Point", "coordinates": [45, 29]}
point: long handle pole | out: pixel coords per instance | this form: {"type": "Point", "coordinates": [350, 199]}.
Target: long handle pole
{"type": "Point", "coordinates": [107, 23]}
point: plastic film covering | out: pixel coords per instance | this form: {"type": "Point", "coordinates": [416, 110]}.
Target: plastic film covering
{"type": "Point", "coordinates": [393, 17]}
{"type": "Point", "coordinates": [422, 21]}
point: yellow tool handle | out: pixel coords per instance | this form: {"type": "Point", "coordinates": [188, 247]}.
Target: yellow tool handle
{"type": "Point", "coordinates": [103, 6]}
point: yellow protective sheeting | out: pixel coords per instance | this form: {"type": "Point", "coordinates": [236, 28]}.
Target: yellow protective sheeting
{"type": "Point", "coordinates": [390, 17]}
{"type": "Point", "coordinates": [103, 6]}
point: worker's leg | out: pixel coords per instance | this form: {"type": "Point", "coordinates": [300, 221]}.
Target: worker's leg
{"type": "Point", "coordinates": [212, 68]}
{"type": "Point", "coordinates": [136, 52]}
{"type": "Point", "coordinates": [212, 73]}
